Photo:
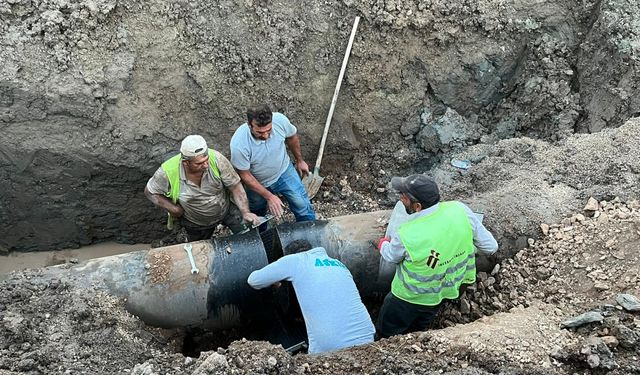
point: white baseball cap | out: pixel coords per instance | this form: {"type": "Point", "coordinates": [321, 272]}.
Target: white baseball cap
{"type": "Point", "coordinates": [193, 145]}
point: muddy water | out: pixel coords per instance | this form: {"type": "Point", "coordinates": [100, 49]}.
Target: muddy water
{"type": "Point", "coordinates": [19, 261]}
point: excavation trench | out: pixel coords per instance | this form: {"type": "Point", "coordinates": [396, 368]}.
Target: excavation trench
{"type": "Point", "coordinates": [85, 124]}
{"type": "Point", "coordinates": [536, 97]}
{"type": "Point", "coordinates": [161, 287]}
{"type": "Point", "coordinates": [211, 300]}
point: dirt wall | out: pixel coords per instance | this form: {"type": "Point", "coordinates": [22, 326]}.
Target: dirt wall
{"type": "Point", "coordinates": [94, 93]}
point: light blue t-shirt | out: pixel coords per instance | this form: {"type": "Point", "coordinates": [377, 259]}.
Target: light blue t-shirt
{"type": "Point", "coordinates": [333, 311]}
{"type": "Point", "coordinates": [266, 160]}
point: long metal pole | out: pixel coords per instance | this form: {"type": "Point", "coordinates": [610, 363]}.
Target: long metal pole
{"type": "Point", "coordinates": [316, 169]}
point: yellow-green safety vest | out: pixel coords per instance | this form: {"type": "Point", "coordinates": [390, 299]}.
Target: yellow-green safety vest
{"type": "Point", "coordinates": [442, 256]}
{"type": "Point", "coordinates": [171, 168]}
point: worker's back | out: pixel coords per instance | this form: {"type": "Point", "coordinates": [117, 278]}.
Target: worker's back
{"type": "Point", "coordinates": [333, 311]}
{"type": "Point", "coordinates": [334, 314]}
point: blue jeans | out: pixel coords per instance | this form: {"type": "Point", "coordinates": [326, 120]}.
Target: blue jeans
{"type": "Point", "coordinates": [290, 187]}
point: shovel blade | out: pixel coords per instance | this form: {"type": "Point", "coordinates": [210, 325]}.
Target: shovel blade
{"type": "Point", "coordinates": [312, 184]}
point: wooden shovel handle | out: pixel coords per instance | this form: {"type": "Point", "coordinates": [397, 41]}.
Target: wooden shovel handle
{"type": "Point", "coordinates": [335, 93]}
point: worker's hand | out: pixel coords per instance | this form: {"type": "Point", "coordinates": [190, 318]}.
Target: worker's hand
{"type": "Point", "coordinates": [176, 210]}
{"type": "Point", "coordinates": [251, 218]}
{"type": "Point", "coordinates": [275, 206]}
{"type": "Point", "coordinates": [302, 168]}
{"type": "Point", "coordinates": [382, 241]}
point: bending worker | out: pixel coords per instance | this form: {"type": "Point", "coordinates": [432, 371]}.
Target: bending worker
{"type": "Point", "coordinates": [435, 250]}
{"type": "Point", "coordinates": [260, 157]}
{"type": "Point", "coordinates": [333, 312]}
{"type": "Point", "coordinates": [196, 186]}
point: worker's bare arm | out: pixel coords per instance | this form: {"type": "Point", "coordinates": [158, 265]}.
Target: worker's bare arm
{"type": "Point", "coordinates": [240, 198]}
{"type": "Point", "coordinates": [293, 143]}
{"type": "Point", "coordinates": [273, 202]}
{"type": "Point", "coordinates": [252, 183]}
{"type": "Point", "coordinates": [163, 202]}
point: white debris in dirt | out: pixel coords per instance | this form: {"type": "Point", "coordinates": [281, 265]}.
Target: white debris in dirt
{"type": "Point", "coordinates": [592, 205]}
{"type": "Point", "coordinates": [213, 363]}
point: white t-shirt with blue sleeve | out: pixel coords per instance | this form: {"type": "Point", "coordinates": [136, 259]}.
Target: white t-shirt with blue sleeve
{"type": "Point", "coordinates": [333, 312]}
{"type": "Point", "coordinates": [265, 159]}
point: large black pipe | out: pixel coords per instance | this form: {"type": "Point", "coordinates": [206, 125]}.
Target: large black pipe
{"type": "Point", "coordinates": [349, 239]}
{"type": "Point", "coordinates": [160, 289]}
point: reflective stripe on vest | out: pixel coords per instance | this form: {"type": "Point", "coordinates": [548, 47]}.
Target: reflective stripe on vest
{"type": "Point", "coordinates": [442, 256]}
{"type": "Point", "coordinates": [444, 284]}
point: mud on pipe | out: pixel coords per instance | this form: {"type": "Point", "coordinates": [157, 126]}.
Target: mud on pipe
{"type": "Point", "coordinates": [160, 289]}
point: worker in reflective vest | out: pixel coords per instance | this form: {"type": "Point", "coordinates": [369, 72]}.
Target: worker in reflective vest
{"type": "Point", "coordinates": [200, 187]}
{"type": "Point", "coordinates": [434, 252]}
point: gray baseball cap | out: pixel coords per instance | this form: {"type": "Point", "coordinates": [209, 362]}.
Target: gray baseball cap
{"type": "Point", "coordinates": [193, 145]}
{"type": "Point", "coordinates": [419, 186]}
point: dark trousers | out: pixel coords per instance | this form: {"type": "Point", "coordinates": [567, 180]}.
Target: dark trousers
{"type": "Point", "coordinates": [399, 317]}
{"type": "Point", "coordinates": [233, 220]}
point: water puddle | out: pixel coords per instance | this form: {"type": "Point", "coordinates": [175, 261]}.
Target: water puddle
{"type": "Point", "coordinates": [20, 261]}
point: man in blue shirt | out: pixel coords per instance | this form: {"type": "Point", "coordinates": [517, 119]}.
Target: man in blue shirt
{"type": "Point", "coordinates": [333, 312]}
{"type": "Point", "coordinates": [259, 155]}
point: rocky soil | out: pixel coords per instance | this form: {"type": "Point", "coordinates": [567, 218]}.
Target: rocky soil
{"type": "Point", "coordinates": [539, 99]}
{"type": "Point", "coordinates": [94, 93]}
{"type": "Point", "coordinates": [518, 319]}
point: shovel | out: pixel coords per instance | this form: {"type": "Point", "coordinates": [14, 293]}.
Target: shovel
{"type": "Point", "coordinates": [313, 181]}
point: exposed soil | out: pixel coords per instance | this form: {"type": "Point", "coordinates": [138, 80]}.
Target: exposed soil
{"type": "Point", "coordinates": [515, 314]}
{"type": "Point", "coordinates": [20, 260]}
{"type": "Point", "coordinates": [93, 94]}
{"type": "Point", "coordinates": [541, 98]}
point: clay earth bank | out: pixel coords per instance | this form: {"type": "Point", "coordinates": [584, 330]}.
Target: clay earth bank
{"type": "Point", "coordinates": [540, 97]}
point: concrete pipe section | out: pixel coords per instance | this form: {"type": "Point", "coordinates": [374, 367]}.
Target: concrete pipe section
{"type": "Point", "coordinates": [163, 289]}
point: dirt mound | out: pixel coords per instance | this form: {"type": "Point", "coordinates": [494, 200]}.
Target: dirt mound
{"type": "Point", "coordinates": [55, 328]}
{"type": "Point", "coordinates": [509, 321]}
{"type": "Point", "coordinates": [93, 94]}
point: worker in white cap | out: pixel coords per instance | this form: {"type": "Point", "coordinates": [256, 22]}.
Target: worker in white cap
{"type": "Point", "coordinates": [200, 187]}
